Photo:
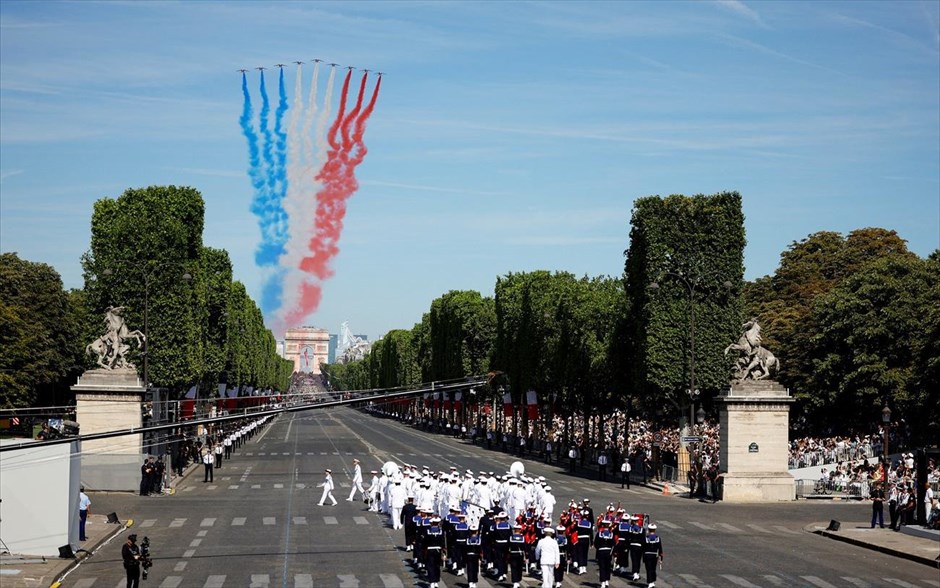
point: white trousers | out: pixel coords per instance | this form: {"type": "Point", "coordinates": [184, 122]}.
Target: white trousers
{"type": "Point", "coordinates": [356, 486]}
{"type": "Point", "coordinates": [548, 575]}
{"type": "Point", "coordinates": [396, 517]}
{"type": "Point", "coordinates": [327, 493]}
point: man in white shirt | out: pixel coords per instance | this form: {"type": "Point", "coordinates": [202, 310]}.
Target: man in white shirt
{"type": "Point", "coordinates": [397, 502]}
{"type": "Point", "coordinates": [546, 551]}
{"type": "Point", "coordinates": [83, 504]}
{"type": "Point", "coordinates": [356, 481]}
{"type": "Point", "coordinates": [327, 488]}
{"type": "Point", "coordinates": [374, 492]}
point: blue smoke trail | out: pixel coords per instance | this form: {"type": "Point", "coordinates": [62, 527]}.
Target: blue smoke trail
{"type": "Point", "coordinates": [254, 156]}
{"type": "Point", "coordinates": [281, 147]}
{"type": "Point", "coordinates": [269, 211]}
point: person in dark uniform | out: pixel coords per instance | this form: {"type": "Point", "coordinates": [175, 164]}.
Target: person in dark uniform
{"type": "Point", "coordinates": [207, 461]}
{"type": "Point", "coordinates": [652, 554]}
{"type": "Point", "coordinates": [587, 507]}
{"type": "Point", "coordinates": [622, 545]}
{"type": "Point", "coordinates": [409, 514]}
{"type": "Point", "coordinates": [487, 524]}
{"type": "Point", "coordinates": [585, 538]}
{"type": "Point", "coordinates": [635, 538]}
{"type": "Point", "coordinates": [145, 471]}
{"type": "Point", "coordinates": [603, 552]}
{"type": "Point", "coordinates": [130, 553]}
{"type": "Point", "coordinates": [501, 533]}
{"type": "Point", "coordinates": [877, 506]}
{"type": "Point", "coordinates": [472, 554]}
{"type": "Point", "coordinates": [517, 551]}
{"type": "Point", "coordinates": [436, 554]}
{"type": "Point", "coordinates": [459, 545]}
{"type": "Point", "coordinates": [562, 553]}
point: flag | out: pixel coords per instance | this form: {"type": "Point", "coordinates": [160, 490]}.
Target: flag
{"type": "Point", "coordinates": [533, 402]}
{"type": "Point", "coordinates": [457, 400]}
{"type": "Point", "coordinates": [192, 393]}
{"type": "Point", "coordinates": [507, 404]}
{"type": "Point", "coordinates": [221, 390]}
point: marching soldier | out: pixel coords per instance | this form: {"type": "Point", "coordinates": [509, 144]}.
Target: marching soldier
{"type": "Point", "coordinates": [517, 551]}
{"type": "Point", "coordinates": [409, 518]}
{"type": "Point", "coordinates": [604, 547]}
{"type": "Point", "coordinates": [356, 482]}
{"type": "Point", "coordinates": [207, 465]}
{"type": "Point", "coordinates": [327, 486]}
{"type": "Point", "coordinates": [652, 554]}
{"type": "Point", "coordinates": [472, 554]}
{"type": "Point", "coordinates": [436, 553]}
{"type": "Point", "coordinates": [562, 541]}
{"type": "Point", "coordinates": [501, 533]}
{"type": "Point", "coordinates": [458, 554]}
{"type": "Point", "coordinates": [635, 537]}
{"type": "Point", "coordinates": [585, 537]}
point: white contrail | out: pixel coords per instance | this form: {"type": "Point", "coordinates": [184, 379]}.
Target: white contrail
{"type": "Point", "coordinates": [294, 199]}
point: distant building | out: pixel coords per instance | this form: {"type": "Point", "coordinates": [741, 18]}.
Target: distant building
{"type": "Point", "coordinates": [307, 347]}
{"type": "Point", "coordinates": [334, 343]}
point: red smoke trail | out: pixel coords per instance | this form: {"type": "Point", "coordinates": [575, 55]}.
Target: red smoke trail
{"type": "Point", "coordinates": [339, 115]}
{"type": "Point", "coordinates": [339, 183]}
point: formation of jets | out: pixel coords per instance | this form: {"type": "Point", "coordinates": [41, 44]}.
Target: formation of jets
{"type": "Point", "coordinates": [282, 66]}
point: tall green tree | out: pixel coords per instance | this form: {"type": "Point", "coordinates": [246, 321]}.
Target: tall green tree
{"type": "Point", "coordinates": [38, 332]}
{"type": "Point", "coordinates": [683, 244]}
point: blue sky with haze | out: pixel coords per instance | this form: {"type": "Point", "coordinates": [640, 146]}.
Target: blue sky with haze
{"type": "Point", "coordinates": [508, 136]}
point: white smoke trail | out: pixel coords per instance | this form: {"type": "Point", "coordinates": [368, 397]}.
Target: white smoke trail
{"type": "Point", "coordinates": [294, 199]}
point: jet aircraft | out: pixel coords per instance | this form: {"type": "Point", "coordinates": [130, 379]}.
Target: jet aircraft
{"type": "Point", "coordinates": [334, 64]}
{"type": "Point", "coordinates": [259, 68]}
{"type": "Point", "coordinates": [279, 65]}
{"type": "Point", "coordinates": [317, 60]}
{"type": "Point", "coordinates": [350, 68]}
{"type": "Point", "coordinates": [299, 62]}
{"type": "Point", "coordinates": [243, 70]}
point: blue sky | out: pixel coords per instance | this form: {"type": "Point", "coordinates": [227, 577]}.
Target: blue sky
{"type": "Point", "coordinates": [508, 136]}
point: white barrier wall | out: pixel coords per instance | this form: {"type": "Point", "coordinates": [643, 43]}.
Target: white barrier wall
{"type": "Point", "coordinates": [39, 497]}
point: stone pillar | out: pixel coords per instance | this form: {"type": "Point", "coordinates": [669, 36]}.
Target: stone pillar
{"type": "Point", "coordinates": [110, 400]}
{"type": "Point", "coordinates": [755, 419]}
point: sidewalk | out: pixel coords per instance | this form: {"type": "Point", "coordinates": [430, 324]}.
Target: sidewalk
{"type": "Point", "coordinates": [25, 571]}
{"type": "Point", "coordinates": [925, 550]}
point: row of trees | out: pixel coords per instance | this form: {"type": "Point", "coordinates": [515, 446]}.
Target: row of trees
{"type": "Point", "coordinates": [146, 255]}
{"type": "Point", "coordinates": [854, 319]}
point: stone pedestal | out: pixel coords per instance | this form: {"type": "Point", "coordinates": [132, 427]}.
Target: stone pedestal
{"type": "Point", "coordinates": [755, 419]}
{"type": "Point", "coordinates": [110, 400]}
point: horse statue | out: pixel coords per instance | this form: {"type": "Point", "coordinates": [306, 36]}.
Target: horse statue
{"type": "Point", "coordinates": [754, 361]}
{"type": "Point", "coordinates": [750, 338]}
{"type": "Point", "coordinates": [760, 366]}
{"type": "Point", "coordinates": [112, 348]}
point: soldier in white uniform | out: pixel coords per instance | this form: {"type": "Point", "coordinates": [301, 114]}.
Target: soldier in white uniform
{"type": "Point", "coordinates": [327, 486]}
{"type": "Point", "coordinates": [356, 481]}
{"type": "Point", "coordinates": [397, 502]}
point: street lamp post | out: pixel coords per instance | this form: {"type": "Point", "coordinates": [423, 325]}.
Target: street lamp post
{"type": "Point", "coordinates": [886, 423]}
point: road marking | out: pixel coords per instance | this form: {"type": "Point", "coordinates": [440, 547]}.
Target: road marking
{"type": "Point", "coordinates": [207, 522]}
{"type": "Point", "coordinates": [760, 529]}
{"type": "Point", "coordinates": [188, 489]}
{"type": "Point", "coordinates": [693, 580]}
{"type": "Point", "coordinates": [211, 487]}
{"type": "Point", "coordinates": [255, 486]}
{"type": "Point", "coordinates": [279, 485]}
{"type": "Point", "coordinates": [330, 521]}
{"type": "Point", "coordinates": [262, 453]}
{"type": "Point", "coordinates": [300, 520]}
{"type": "Point", "coordinates": [391, 581]}
{"type": "Point", "coordinates": [738, 581]}
{"type": "Point", "coordinates": [347, 581]}
{"type": "Point", "coordinates": [900, 583]}
{"type": "Point", "coordinates": [728, 527]}
{"type": "Point", "coordinates": [931, 582]}
{"type": "Point", "coordinates": [817, 582]}
{"type": "Point", "coordinates": [856, 582]}
{"type": "Point", "coordinates": [300, 486]}
{"type": "Point", "coordinates": [171, 582]}
{"type": "Point", "coordinates": [214, 582]}
{"type": "Point", "coordinates": [189, 553]}
{"type": "Point", "coordinates": [180, 566]}
{"type": "Point", "coordinates": [361, 520]}
{"type": "Point", "coordinates": [268, 520]}
{"type": "Point", "coordinates": [227, 478]}
{"type": "Point", "coordinates": [775, 580]}
{"type": "Point", "coordinates": [667, 524]}
{"type": "Point", "coordinates": [260, 581]}
{"type": "Point", "coordinates": [322, 453]}
{"type": "Point", "coordinates": [177, 522]}
{"type": "Point", "coordinates": [700, 526]}
{"type": "Point", "coordinates": [310, 453]}
{"type": "Point", "coordinates": [147, 523]}
{"type": "Point", "coordinates": [202, 533]}
{"type": "Point", "coordinates": [303, 581]}
{"type": "Point", "coordinates": [233, 486]}
{"type": "Point", "coordinates": [337, 453]}
{"type": "Point", "coordinates": [286, 453]}
{"type": "Point", "coordinates": [195, 543]}
{"type": "Point", "coordinates": [344, 485]}
{"type": "Point", "coordinates": [250, 454]}
{"type": "Point", "coordinates": [239, 521]}
{"type": "Point", "coordinates": [783, 529]}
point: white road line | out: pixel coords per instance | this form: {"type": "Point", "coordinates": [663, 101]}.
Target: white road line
{"type": "Point", "coordinates": [303, 581]}
{"type": "Point", "coordinates": [300, 486]}
{"type": "Point", "coordinates": [310, 453]}
{"type": "Point", "coordinates": [856, 582]}
{"type": "Point", "coordinates": [760, 529]}
{"type": "Point", "coordinates": [260, 581]}
{"type": "Point", "coordinates": [177, 522]}
{"type": "Point", "coordinates": [214, 582]}
{"type": "Point", "coordinates": [180, 566]}
{"type": "Point", "coordinates": [932, 582]}
{"type": "Point", "coordinates": [233, 486]}
{"type": "Point", "coordinates": [239, 521]}
{"type": "Point", "coordinates": [147, 523]}
{"type": "Point", "coordinates": [322, 453]}
{"type": "Point", "coordinates": [285, 453]}
{"type": "Point", "coordinates": [783, 529]}
{"type": "Point", "coordinates": [189, 553]}
{"type": "Point", "coordinates": [207, 522]}
{"type": "Point", "coordinates": [728, 527]}
{"type": "Point", "coordinates": [300, 520]}
{"type": "Point", "coordinates": [900, 583]}
{"type": "Point", "coordinates": [268, 520]}
{"type": "Point", "coordinates": [667, 524]}
{"type": "Point", "coordinates": [738, 581]}
{"type": "Point", "coordinates": [279, 485]}
{"type": "Point", "coordinates": [330, 521]}
{"type": "Point", "coordinates": [211, 487]}
{"type": "Point", "coordinates": [170, 582]}
{"type": "Point", "coordinates": [188, 489]}
{"type": "Point", "coordinates": [347, 581]}
{"type": "Point", "coordinates": [361, 520]}
{"type": "Point", "coordinates": [700, 526]}
{"type": "Point", "coordinates": [817, 582]}
{"type": "Point", "coordinates": [693, 580]}
{"type": "Point", "coordinates": [202, 533]}
{"type": "Point", "coordinates": [195, 543]}
{"type": "Point", "coordinates": [255, 486]}
{"type": "Point", "coordinates": [391, 581]}
{"type": "Point", "coordinates": [774, 579]}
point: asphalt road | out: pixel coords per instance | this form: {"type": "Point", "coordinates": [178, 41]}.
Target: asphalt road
{"type": "Point", "coordinates": [259, 525]}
